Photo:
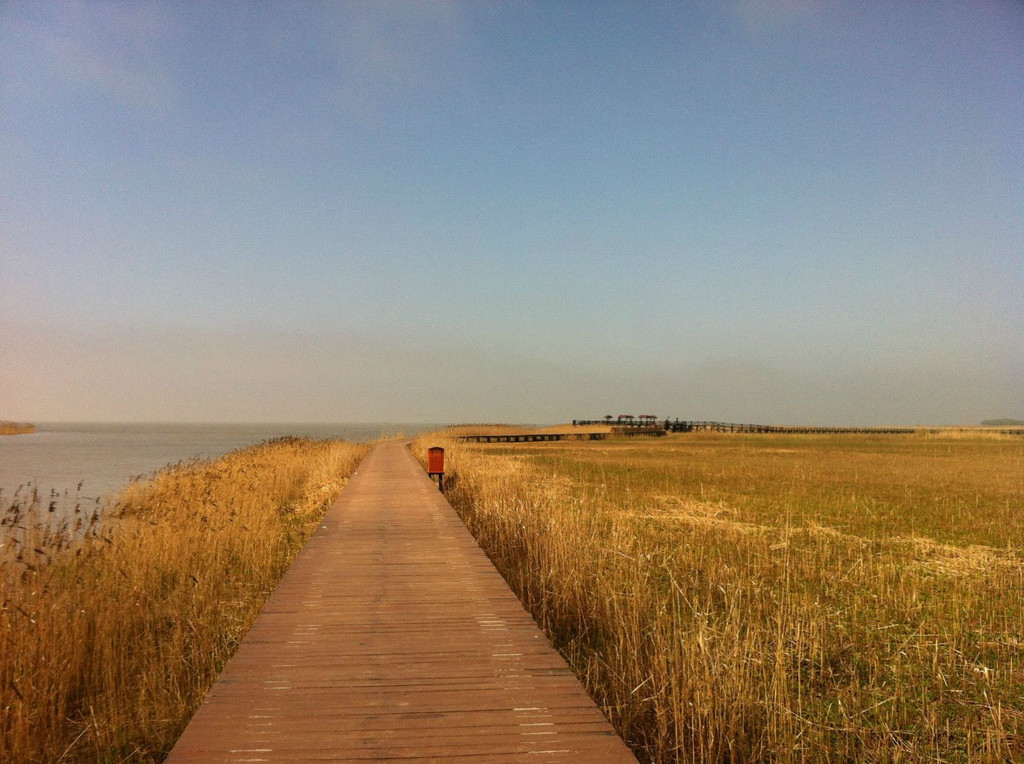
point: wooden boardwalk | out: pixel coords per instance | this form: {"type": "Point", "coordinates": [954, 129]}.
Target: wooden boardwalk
{"type": "Point", "coordinates": [393, 638]}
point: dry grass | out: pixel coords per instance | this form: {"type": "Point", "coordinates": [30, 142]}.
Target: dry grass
{"type": "Point", "coordinates": [770, 597]}
{"type": "Point", "coordinates": [113, 629]}
{"type": "Point", "coordinates": [515, 429]}
{"type": "Point", "coordinates": [487, 428]}
{"type": "Point", "coordinates": [16, 428]}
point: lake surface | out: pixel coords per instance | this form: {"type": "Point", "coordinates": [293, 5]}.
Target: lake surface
{"type": "Point", "coordinates": [101, 458]}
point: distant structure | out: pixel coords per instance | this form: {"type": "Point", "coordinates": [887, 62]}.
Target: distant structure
{"type": "Point", "coordinates": [648, 424]}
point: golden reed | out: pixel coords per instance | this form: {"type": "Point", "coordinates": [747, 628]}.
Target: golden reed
{"type": "Point", "coordinates": [772, 598]}
{"type": "Point", "coordinates": [113, 628]}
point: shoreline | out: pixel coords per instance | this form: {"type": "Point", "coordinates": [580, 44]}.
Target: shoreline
{"type": "Point", "coordinates": [16, 428]}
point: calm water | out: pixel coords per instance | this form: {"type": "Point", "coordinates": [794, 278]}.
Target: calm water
{"type": "Point", "coordinates": [103, 457]}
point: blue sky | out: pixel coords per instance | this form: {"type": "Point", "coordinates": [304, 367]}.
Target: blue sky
{"type": "Point", "coordinates": [512, 211]}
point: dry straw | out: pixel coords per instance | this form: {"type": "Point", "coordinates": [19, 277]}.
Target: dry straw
{"type": "Point", "coordinates": [762, 597]}
{"type": "Point", "coordinates": [113, 629]}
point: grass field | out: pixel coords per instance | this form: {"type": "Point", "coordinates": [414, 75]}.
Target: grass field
{"type": "Point", "coordinates": [114, 628]}
{"type": "Point", "coordinates": [771, 597]}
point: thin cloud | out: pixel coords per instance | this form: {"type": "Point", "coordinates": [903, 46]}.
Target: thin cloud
{"type": "Point", "coordinates": [770, 16]}
{"type": "Point", "coordinates": [388, 49]}
{"type": "Point", "coordinates": [112, 49]}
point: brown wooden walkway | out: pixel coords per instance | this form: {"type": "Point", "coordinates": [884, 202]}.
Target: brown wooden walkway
{"type": "Point", "coordinates": [392, 637]}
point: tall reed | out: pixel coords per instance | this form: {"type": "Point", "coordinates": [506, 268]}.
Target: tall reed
{"type": "Point", "coordinates": [748, 598]}
{"type": "Point", "coordinates": [113, 628]}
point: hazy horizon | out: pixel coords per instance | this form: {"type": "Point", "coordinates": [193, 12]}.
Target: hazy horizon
{"type": "Point", "coordinates": [567, 420]}
{"type": "Point", "coordinates": [742, 211]}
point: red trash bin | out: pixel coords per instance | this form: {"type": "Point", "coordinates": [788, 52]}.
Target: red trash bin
{"type": "Point", "coordinates": [435, 464]}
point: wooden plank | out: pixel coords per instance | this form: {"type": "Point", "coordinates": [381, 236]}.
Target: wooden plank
{"type": "Point", "coordinates": [392, 637]}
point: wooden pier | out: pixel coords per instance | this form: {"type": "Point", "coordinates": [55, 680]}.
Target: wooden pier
{"type": "Point", "coordinates": [532, 437]}
{"type": "Point", "coordinates": [688, 426]}
{"type": "Point", "coordinates": [632, 426]}
{"type": "Point", "coordinates": [393, 638]}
